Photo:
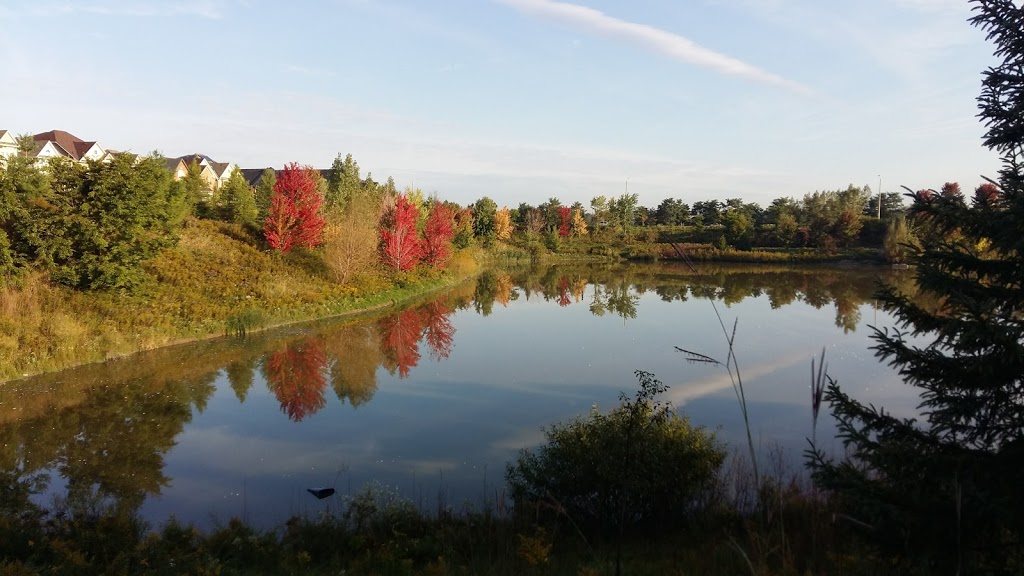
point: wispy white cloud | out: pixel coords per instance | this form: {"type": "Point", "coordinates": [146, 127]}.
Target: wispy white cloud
{"type": "Point", "coordinates": [661, 41]}
{"type": "Point", "coordinates": [203, 8]}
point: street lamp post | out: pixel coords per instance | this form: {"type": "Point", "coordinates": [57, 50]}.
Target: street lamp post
{"type": "Point", "coordinates": [879, 196]}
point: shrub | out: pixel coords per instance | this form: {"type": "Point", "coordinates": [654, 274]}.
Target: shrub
{"type": "Point", "coordinates": [536, 250]}
{"type": "Point", "coordinates": [640, 464]}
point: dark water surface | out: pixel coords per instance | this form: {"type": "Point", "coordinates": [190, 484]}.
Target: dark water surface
{"type": "Point", "coordinates": [433, 400]}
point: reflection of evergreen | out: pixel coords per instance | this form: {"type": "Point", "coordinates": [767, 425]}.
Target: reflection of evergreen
{"type": "Point", "coordinates": [109, 448]}
{"type": "Point", "coordinates": [240, 376]}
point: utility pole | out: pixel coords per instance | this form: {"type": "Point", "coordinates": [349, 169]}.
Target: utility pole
{"type": "Point", "coordinates": [879, 196]}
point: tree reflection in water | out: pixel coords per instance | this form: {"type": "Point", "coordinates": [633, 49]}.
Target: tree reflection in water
{"type": "Point", "coordinates": [296, 375]}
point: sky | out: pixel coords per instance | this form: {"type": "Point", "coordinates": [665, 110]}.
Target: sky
{"type": "Point", "coordinates": [520, 100]}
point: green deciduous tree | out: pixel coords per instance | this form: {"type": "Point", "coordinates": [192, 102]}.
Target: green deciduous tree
{"type": "Point", "coordinates": [943, 495]}
{"type": "Point", "coordinates": [672, 212]}
{"type": "Point", "coordinates": [899, 241]}
{"type": "Point", "coordinates": [484, 211]}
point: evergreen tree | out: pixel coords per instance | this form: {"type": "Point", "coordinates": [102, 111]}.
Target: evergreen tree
{"type": "Point", "coordinates": [264, 190]}
{"type": "Point", "coordinates": [944, 495]}
{"type": "Point", "coordinates": [197, 190]}
{"type": "Point", "coordinates": [334, 197]}
{"type": "Point", "coordinates": [238, 201]}
{"type": "Point", "coordinates": [92, 227]}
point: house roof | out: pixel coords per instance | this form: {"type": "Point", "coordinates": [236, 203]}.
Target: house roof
{"type": "Point", "coordinates": [253, 175]}
{"type": "Point", "coordinates": [67, 142]}
{"type": "Point", "coordinates": [220, 168]}
{"type": "Point", "coordinates": [40, 144]}
{"type": "Point", "coordinates": [81, 148]}
{"type": "Point", "coordinates": [196, 158]}
{"type": "Point", "coordinates": [2, 132]}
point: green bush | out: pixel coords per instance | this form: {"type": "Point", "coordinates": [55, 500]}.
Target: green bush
{"type": "Point", "coordinates": [552, 241]}
{"type": "Point", "coordinates": [642, 464]}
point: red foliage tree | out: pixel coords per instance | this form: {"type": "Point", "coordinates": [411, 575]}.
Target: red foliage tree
{"type": "Point", "coordinates": [438, 234]}
{"type": "Point", "coordinates": [951, 190]}
{"type": "Point", "coordinates": [296, 376]}
{"type": "Point", "coordinates": [401, 335]}
{"type": "Point", "coordinates": [987, 194]}
{"type": "Point", "coordinates": [564, 219]}
{"type": "Point", "coordinates": [400, 245]}
{"type": "Point", "coordinates": [294, 218]}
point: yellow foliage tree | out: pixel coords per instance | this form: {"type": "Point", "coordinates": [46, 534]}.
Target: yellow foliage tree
{"type": "Point", "coordinates": [503, 224]}
{"type": "Point", "coordinates": [579, 224]}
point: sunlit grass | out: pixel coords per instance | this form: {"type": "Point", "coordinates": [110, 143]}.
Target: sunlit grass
{"type": "Point", "coordinates": [215, 281]}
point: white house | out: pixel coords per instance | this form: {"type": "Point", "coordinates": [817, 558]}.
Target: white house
{"type": "Point", "coordinates": [8, 144]}
{"type": "Point", "coordinates": [60, 143]}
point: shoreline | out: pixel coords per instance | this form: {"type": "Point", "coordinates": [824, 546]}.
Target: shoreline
{"type": "Point", "coordinates": [352, 314]}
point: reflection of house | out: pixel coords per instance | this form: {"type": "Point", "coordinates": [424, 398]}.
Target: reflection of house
{"type": "Point", "coordinates": [8, 144]}
{"type": "Point", "coordinates": [215, 174]}
{"type": "Point", "coordinates": [58, 143]}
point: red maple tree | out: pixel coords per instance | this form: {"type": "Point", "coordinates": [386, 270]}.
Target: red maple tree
{"type": "Point", "coordinates": [565, 219]}
{"type": "Point", "coordinates": [296, 376]}
{"type": "Point", "coordinates": [438, 234]}
{"type": "Point", "coordinates": [294, 217]}
{"type": "Point", "coordinates": [400, 245]}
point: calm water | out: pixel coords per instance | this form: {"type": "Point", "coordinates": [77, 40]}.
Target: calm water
{"type": "Point", "coordinates": [432, 401]}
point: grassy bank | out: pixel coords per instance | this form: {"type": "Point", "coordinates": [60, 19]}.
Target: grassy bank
{"type": "Point", "coordinates": [214, 282]}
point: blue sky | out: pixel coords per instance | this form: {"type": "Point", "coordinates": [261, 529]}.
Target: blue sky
{"type": "Point", "coordinates": [520, 100]}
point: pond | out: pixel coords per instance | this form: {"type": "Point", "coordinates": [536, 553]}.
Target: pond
{"type": "Point", "coordinates": [431, 401]}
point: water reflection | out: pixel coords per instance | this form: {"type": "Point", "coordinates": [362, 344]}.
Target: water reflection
{"type": "Point", "coordinates": [102, 433]}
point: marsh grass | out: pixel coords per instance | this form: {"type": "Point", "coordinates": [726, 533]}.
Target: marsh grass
{"type": "Point", "coordinates": [374, 530]}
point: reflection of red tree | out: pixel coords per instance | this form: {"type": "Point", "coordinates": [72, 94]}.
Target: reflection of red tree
{"type": "Point", "coordinates": [401, 336]}
{"type": "Point", "coordinates": [563, 292]}
{"type": "Point", "coordinates": [296, 376]}
{"type": "Point", "coordinates": [439, 332]}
